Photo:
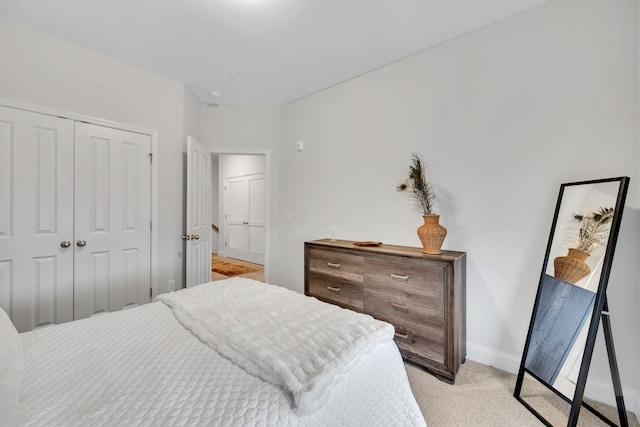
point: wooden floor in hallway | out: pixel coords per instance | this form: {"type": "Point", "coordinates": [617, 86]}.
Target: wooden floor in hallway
{"type": "Point", "coordinates": [226, 269]}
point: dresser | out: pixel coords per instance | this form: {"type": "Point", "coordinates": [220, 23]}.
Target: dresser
{"type": "Point", "coordinates": [422, 296]}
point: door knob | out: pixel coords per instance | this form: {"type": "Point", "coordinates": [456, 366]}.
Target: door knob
{"type": "Point", "coordinates": [195, 236]}
{"type": "Point", "coordinates": [65, 244]}
{"type": "Point", "coordinates": [186, 237]}
{"type": "Point", "coordinates": [81, 243]}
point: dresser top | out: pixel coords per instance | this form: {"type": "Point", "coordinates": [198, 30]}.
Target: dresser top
{"type": "Point", "coordinates": [387, 249]}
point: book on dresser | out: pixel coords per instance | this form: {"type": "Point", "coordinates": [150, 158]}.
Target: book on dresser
{"type": "Point", "coordinates": [422, 296]}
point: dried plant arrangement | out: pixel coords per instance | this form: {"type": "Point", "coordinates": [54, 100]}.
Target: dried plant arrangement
{"type": "Point", "coordinates": [593, 229]}
{"type": "Point", "coordinates": [418, 186]}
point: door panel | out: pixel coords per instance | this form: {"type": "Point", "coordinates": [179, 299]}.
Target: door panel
{"type": "Point", "coordinates": [36, 216]}
{"type": "Point", "coordinates": [112, 210]}
{"type": "Point", "coordinates": [245, 211]}
{"type": "Point", "coordinates": [198, 233]}
{"type": "Point", "coordinates": [256, 212]}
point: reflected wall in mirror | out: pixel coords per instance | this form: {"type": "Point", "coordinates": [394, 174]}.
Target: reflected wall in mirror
{"type": "Point", "coordinates": [572, 289]}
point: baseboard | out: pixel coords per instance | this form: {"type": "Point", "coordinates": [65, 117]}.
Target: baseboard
{"type": "Point", "coordinates": [603, 392]}
{"type": "Point", "coordinates": [487, 356]}
{"type": "Point", "coordinates": [596, 389]}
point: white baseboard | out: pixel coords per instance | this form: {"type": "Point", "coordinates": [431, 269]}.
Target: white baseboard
{"type": "Point", "coordinates": [603, 392]}
{"type": "Point", "coordinates": [487, 356]}
{"type": "Point", "coordinates": [596, 390]}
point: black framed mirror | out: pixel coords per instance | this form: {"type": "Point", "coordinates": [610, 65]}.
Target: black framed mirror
{"type": "Point", "coordinates": [571, 298]}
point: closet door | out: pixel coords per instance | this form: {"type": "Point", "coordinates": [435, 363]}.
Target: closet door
{"type": "Point", "coordinates": [244, 212]}
{"type": "Point", "coordinates": [36, 218]}
{"type": "Point", "coordinates": [112, 219]}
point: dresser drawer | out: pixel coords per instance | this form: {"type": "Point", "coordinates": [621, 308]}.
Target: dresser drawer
{"type": "Point", "coordinates": [347, 294]}
{"type": "Point", "coordinates": [336, 264]}
{"type": "Point", "coordinates": [406, 280]}
{"type": "Point", "coordinates": [425, 340]}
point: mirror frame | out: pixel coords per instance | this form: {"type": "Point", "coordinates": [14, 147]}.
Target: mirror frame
{"type": "Point", "coordinates": [600, 308]}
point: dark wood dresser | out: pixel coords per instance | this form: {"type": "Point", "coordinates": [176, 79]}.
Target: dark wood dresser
{"type": "Point", "coordinates": [423, 296]}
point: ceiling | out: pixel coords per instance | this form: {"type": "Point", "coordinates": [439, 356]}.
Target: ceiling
{"type": "Point", "coordinates": [259, 52]}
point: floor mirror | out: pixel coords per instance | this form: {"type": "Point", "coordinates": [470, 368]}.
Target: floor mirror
{"type": "Point", "coordinates": [571, 301]}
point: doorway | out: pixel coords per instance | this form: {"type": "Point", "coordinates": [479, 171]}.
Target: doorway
{"type": "Point", "coordinates": [240, 205]}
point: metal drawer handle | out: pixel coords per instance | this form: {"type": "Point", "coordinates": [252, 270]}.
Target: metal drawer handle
{"type": "Point", "coordinates": [401, 336]}
{"type": "Point", "coordinates": [333, 264]}
{"type": "Point", "coordinates": [333, 289]}
{"type": "Point", "coordinates": [399, 306]}
{"type": "Point", "coordinates": [398, 276]}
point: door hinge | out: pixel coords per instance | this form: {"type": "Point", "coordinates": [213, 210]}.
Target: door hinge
{"type": "Point", "coordinates": [225, 244]}
{"type": "Point", "coordinates": [150, 225]}
{"type": "Point", "coordinates": [150, 157]}
{"type": "Point", "coordinates": [150, 292]}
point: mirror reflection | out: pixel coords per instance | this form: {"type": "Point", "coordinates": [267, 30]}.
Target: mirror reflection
{"type": "Point", "coordinates": [570, 282]}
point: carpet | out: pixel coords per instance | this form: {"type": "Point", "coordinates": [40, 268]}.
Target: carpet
{"type": "Point", "coordinates": [229, 270]}
{"type": "Point", "coordinates": [483, 397]}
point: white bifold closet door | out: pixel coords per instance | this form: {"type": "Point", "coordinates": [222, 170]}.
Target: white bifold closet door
{"type": "Point", "coordinates": [74, 218]}
{"type": "Point", "coordinates": [36, 218]}
{"type": "Point", "coordinates": [112, 219]}
{"type": "Point", "coordinates": [245, 213]}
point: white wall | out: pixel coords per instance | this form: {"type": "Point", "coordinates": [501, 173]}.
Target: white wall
{"type": "Point", "coordinates": [502, 116]}
{"type": "Point", "coordinates": [39, 69]}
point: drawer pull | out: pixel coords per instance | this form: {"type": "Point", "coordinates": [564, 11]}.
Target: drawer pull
{"type": "Point", "coordinates": [399, 306]}
{"type": "Point", "coordinates": [333, 265]}
{"type": "Point", "coordinates": [398, 276]}
{"type": "Point", "coordinates": [333, 289]}
{"type": "Point", "coordinates": [401, 336]}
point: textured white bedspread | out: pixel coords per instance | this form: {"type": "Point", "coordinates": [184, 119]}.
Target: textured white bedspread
{"type": "Point", "coordinates": [295, 342]}
{"type": "Point", "coordinates": [140, 367]}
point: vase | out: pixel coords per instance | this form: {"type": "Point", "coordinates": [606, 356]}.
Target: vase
{"type": "Point", "coordinates": [572, 267]}
{"type": "Point", "coordinates": [432, 234]}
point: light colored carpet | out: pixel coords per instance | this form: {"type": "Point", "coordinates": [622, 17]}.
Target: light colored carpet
{"type": "Point", "coordinates": [483, 396]}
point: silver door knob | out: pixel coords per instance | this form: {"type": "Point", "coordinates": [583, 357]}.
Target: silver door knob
{"type": "Point", "coordinates": [195, 236]}
{"type": "Point", "coordinates": [186, 237]}
{"type": "Point", "coordinates": [65, 244]}
{"type": "Point", "coordinates": [81, 243]}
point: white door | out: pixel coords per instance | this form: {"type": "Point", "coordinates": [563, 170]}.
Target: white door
{"type": "Point", "coordinates": [112, 219]}
{"type": "Point", "coordinates": [36, 218]}
{"type": "Point", "coordinates": [198, 232]}
{"type": "Point", "coordinates": [245, 212]}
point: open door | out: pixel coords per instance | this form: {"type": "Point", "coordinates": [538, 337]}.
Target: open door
{"type": "Point", "coordinates": [198, 233]}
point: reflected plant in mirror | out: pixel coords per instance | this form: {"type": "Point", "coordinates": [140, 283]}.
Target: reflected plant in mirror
{"type": "Point", "coordinates": [592, 232]}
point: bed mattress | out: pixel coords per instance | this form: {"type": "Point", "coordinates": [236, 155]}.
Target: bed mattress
{"type": "Point", "coordinates": [140, 367]}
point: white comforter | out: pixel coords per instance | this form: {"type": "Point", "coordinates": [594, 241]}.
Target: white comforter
{"type": "Point", "coordinates": [297, 343]}
{"type": "Point", "coordinates": [140, 367]}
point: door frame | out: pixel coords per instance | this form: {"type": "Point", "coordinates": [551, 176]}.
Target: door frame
{"type": "Point", "coordinates": [267, 176]}
{"type": "Point", "coordinates": [153, 134]}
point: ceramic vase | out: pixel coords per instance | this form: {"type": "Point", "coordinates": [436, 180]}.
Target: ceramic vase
{"type": "Point", "coordinates": [572, 267]}
{"type": "Point", "coordinates": [432, 234]}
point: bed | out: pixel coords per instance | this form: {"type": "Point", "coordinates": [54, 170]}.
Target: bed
{"type": "Point", "coordinates": [229, 353]}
